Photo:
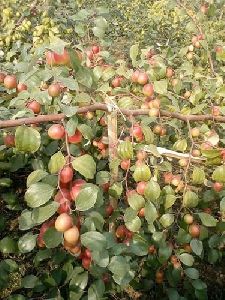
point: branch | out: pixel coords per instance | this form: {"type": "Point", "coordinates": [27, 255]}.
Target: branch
{"type": "Point", "coordinates": [195, 21]}
{"type": "Point", "coordinates": [136, 112]}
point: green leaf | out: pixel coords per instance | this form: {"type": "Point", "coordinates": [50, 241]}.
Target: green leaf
{"type": "Point", "coordinates": [136, 201]}
{"type": "Point", "coordinates": [148, 134]}
{"type": "Point", "coordinates": [186, 259]}
{"type": "Point", "coordinates": [119, 265]}
{"type": "Point", "coordinates": [160, 87]}
{"type": "Point", "coordinates": [173, 294]}
{"type": "Point", "coordinates": [150, 212]}
{"type": "Point", "coordinates": [29, 282]}
{"type": "Point", "coordinates": [27, 139]}
{"type": "Point", "coordinates": [57, 45]}
{"type": "Point", "coordinates": [86, 131]}
{"type": "Point", "coordinates": [190, 199]}
{"type": "Point", "coordinates": [96, 290]}
{"type": "Point", "coordinates": [219, 174]}
{"type": "Point", "coordinates": [99, 32]}
{"type": "Point", "coordinates": [134, 225]}
{"type": "Point", "coordinates": [38, 194]}
{"type": "Point", "coordinates": [207, 219]}
{"type": "Point", "coordinates": [164, 253]}
{"type": "Point", "coordinates": [93, 240]}
{"type": "Point", "coordinates": [222, 205]}
{"type": "Point", "coordinates": [69, 111]}
{"type": "Point", "coordinates": [56, 163]}
{"type": "Point", "coordinates": [134, 50]}
{"type": "Point", "coordinates": [8, 245]}
{"type": "Point", "coordinates": [192, 273]}
{"type": "Point", "coordinates": [166, 220]}
{"type": "Point", "coordinates": [79, 280]}
{"type": "Point", "coordinates": [41, 214]}
{"type": "Point", "coordinates": [71, 125]}
{"type": "Point", "coordinates": [70, 83]}
{"type": "Point", "coordinates": [84, 77]}
{"type": "Point", "coordinates": [52, 237]}
{"type": "Point", "coordinates": [196, 246]}
{"type": "Point", "coordinates": [102, 177]}
{"type": "Point", "coordinates": [36, 176]}
{"type": "Point", "coordinates": [87, 197]}
{"type": "Point", "coordinates": [152, 191]}
{"type": "Point", "coordinates": [85, 165]}
{"type": "Point", "coordinates": [101, 22]}
{"type": "Point", "coordinates": [139, 246]}
{"type": "Point", "coordinates": [116, 190]}
{"type": "Point", "coordinates": [169, 201]}
{"type": "Point", "coordinates": [27, 242]}
{"type": "Point", "coordinates": [198, 175]}
{"type": "Point", "coordinates": [25, 220]}
{"type": "Point", "coordinates": [101, 258]}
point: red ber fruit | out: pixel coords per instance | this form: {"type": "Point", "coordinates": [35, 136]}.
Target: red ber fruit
{"type": "Point", "coordinates": [76, 138]}
{"type": "Point", "coordinates": [86, 262]}
{"type": "Point", "coordinates": [56, 132]}
{"type": "Point", "coordinates": [63, 194]}
{"type": "Point", "coordinates": [76, 187]}
{"type": "Point", "coordinates": [66, 174]}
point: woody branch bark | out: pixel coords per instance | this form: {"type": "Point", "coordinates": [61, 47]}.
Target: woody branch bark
{"type": "Point", "coordinates": [103, 107]}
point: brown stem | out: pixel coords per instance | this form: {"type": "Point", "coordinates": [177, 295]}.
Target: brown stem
{"type": "Point", "coordinates": [103, 107]}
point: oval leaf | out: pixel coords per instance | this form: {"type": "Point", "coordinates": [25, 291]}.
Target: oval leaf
{"type": "Point", "coordinates": [85, 165]}
{"type": "Point", "coordinates": [38, 194]}
{"type": "Point", "coordinates": [27, 139]}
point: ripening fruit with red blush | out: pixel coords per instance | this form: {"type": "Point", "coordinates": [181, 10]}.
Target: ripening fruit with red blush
{"type": "Point", "coordinates": [183, 162]}
{"type": "Point", "coordinates": [168, 177]}
{"type": "Point", "coordinates": [66, 174]}
{"type": "Point", "coordinates": [194, 230]}
{"type": "Point", "coordinates": [86, 262]}
{"type": "Point", "coordinates": [56, 132]}
{"type": "Point", "coordinates": [9, 140]}
{"type": "Point", "coordinates": [141, 187]}
{"type": "Point", "coordinates": [64, 206]}
{"type": "Point", "coordinates": [109, 210]}
{"type": "Point", "coordinates": [87, 253]}
{"type": "Point", "coordinates": [63, 222]}
{"type": "Point", "coordinates": [188, 219]}
{"type": "Point", "coordinates": [196, 153]}
{"type": "Point", "coordinates": [216, 110]}
{"type": "Point", "coordinates": [116, 82]}
{"type": "Point", "coordinates": [135, 75]}
{"type": "Point", "coordinates": [95, 49]}
{"type": "Point", "coordinates": [2, 77]}
{"type": "Point", "coordinates": [153, 112]}
{"type": "Point", "coordinates": [218, 187]}
{"type": "Point", "coordinates": [72, 235]}
{"type": "Point", "coordinates": [142, 78]}
{"type": "Point", "coordinates": [21, 87]}
{"type": "Point", "coordinates": [90, 54]}
{"type": "Point", "coordinates": [151, 249]}
{"type": "Point", "coordinates": [148, 90]}
{"type": "Point", "coordinates": [54, 90]}
{"type": "Point", "coordinates": [76, 187]}
{"type": "Point", "coordinates": [102, 121]}
{"type": "Point", "coordinates": [34, 106]}
{"type": "Point", "coordinates": [141, 212]}
{"type": "Point", "coordinates": [195, 132]}
{"type": "Point", "coordinates": [10, 82]}
{"type": "Point", "coordinates": [125, 164]}
{"type": "Point", "coordinates": [76, 138]}
{"type": "Point", "coordinates": [121, 232]}
{"type": "Point", "coordinates": [169, 72]}
{"type": "Point", "coordinates": [206, 146]}
{"type": "Point", "coordinates": [137, 132]}
{"type": "Point", "coordinates": [63, 194]}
